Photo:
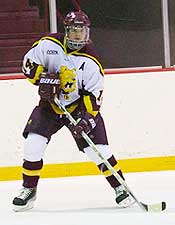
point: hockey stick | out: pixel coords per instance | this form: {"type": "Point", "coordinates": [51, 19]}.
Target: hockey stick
{"type": "Point", "coordinates": [158, 207]}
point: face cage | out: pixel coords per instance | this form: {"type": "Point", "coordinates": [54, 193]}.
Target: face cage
{"type": "Point", "coordinates": [74, 45]}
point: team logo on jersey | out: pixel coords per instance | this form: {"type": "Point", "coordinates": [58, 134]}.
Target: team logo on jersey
{"type": "Point", "coordinates": [67, 79]}
{"type": "Point", "coordinates": [52, 52]}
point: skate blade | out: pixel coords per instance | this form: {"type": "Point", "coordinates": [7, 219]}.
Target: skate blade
{"type": "Point", "coordinates": [21, 208]}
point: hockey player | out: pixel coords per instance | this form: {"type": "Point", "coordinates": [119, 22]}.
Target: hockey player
{"type": "Point", "coordinates": [67, 66]}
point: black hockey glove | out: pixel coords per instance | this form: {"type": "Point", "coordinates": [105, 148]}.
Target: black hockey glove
{"type": "Point", "coordinates": [86, 124]}
{"type": "Point", "coordinates": [48, 86]}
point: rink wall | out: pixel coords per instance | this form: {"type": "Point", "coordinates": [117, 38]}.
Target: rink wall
{"type": "Point", "coordinates": [139, 112]}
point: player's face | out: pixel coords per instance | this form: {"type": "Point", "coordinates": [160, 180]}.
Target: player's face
{"type": "Point", "coordinates": [77, 33]}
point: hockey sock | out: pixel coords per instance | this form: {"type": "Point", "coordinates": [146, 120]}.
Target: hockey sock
{"type": "Point", "coordinates": [108, 175]}
{"type": "Point", "coordinates": [31, 173]}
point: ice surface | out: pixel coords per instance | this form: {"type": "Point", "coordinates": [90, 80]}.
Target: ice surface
{"type": "Point", "coordinates": [89, 200]}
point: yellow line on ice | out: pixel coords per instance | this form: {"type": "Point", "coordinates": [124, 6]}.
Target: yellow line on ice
{"type": "Point", "coordinates": [89, 168]}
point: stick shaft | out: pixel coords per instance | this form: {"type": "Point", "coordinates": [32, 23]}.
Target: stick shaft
{"type": "Point", "coordinates": [93, 146]}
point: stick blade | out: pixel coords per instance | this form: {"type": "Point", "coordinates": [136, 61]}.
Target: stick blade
{"type": "Point", "coordinates": [158, 207]}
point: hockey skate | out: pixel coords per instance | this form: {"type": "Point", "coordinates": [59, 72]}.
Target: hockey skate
{"type": "Point", "coordinates": [25, 200]}
{"type": "Point", "coordinates": [123, 199]}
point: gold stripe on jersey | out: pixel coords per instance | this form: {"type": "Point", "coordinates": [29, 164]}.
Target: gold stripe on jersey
{"type": "Point", "coordinates": [35, 44]}
{"type": "Point", "coordinates": [50, 39]}
{"type": "Point", "coordinates": [91, 57]}
{"type": "Point", "coordinates": [55, 40]}
{"type": "Point", "coordinates": [108, 173]}
{"type": "Point", "coordinates": [31, 172]}
{"type": "Point", "coordinates": [39, 70]}
{"type": "Point", "coordinates": [88, 105]}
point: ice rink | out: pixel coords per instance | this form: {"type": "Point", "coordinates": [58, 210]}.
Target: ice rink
{"type": "Point", "coordinates": [89, 200]}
